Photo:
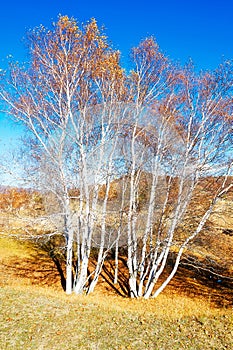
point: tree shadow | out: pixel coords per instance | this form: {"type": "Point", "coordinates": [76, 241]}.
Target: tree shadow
{"type": "Point", "coordinates": [197, 281]}
{"type": "Point", "coordinates": [44, 267]}
{"type": "Point", "coordinates": [60, 271]}
{"type": "Point", "coordinates": [192, 281]}
{"type": "Point", "coordinates": [108, 275]}
{"type": "Point", "coordinates": [38, 268]}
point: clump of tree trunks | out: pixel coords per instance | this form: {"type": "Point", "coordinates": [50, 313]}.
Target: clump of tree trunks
{"type": "Point", "coordinates": [123, 156]}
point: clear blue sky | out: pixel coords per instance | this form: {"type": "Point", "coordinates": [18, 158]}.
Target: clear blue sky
{"type": "Point", "coordinates": [201, 30]}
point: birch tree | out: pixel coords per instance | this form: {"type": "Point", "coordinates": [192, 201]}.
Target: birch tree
{"type": "Point", "coordinates": [157, 133]}
{"type": "Point", "coordinates": [56, 98]}
{"type": "Point", "coordinates": [187, 136]}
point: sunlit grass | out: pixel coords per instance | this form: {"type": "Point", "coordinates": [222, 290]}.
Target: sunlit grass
{"type": "Point", "coordinates": [35, 316]}
{"type": "Point", "coordinates": [22, 263]}
{"type": "Point", "coordinates": [43, 318]}
{"type": "Point", "coordinates": [10, 247]}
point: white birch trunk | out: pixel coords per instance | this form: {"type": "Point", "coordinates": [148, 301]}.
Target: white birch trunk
{"type": "Point", "coordinates": [124, 187]}
{"type": "Point", "coordinates": [148, 230]}
{"type": "Point", "coordinates": [69, 248]}
{"type": "Point", "coordinates": [183, 246]}
{"type": "Point", "coordinates": [132, 243]}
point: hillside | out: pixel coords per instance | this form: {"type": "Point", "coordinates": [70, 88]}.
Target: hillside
{"type": "Point", "coordinates": [206, 267]}
{"type": "Point", "coordinates": [35, 312]}
{"type": "Point", "coordinates": [194, 311]}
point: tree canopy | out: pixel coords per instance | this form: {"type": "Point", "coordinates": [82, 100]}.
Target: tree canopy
{"type": "Point", "coordinates": [153, 134]}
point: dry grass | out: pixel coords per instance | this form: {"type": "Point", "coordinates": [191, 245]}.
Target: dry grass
{"type": "Point", "coordinates": [21, 263]}
{"type": "Point", "coordinates": [11, 248]}
{"type": "Point", "coordinates": [41, 318]}
{"type": "Point", "coordinates": [36, 314]}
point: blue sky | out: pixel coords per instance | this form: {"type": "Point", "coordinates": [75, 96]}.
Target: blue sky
{"type": "Point", "coordinates": [201, 30]}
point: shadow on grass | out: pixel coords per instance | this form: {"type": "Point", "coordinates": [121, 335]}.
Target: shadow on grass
{"type": "Point", "coordinates": [191, 281]}
{"type": "Point", "coordinates": [40, 268]}
{"type": "Point", "coordinates": [200, 283]}
{"type": "Point", "coordinates": [121, 287]}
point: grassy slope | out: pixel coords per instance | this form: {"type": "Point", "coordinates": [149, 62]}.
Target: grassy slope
{"type": "Point", "coordinates": [40, 318]}
{"type": "Point", "coordinates": [35, 316]}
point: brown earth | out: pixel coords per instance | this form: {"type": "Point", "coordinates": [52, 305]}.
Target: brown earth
{"type": "Point", "coordinates": [22, 264]}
